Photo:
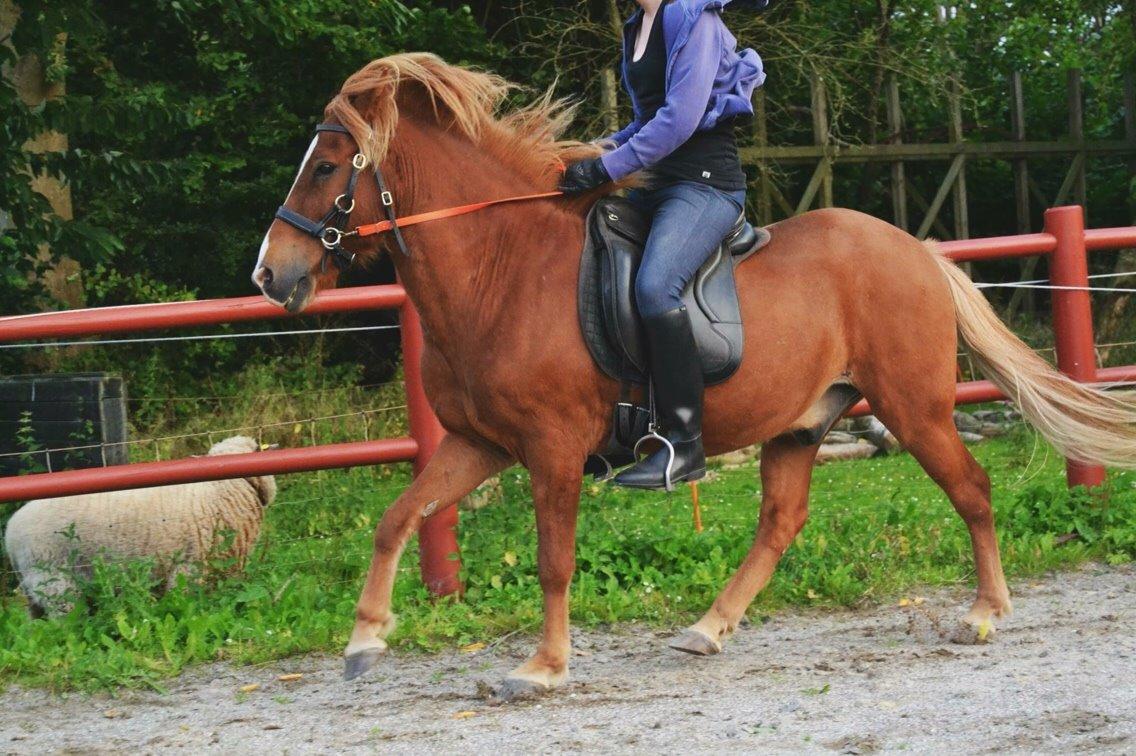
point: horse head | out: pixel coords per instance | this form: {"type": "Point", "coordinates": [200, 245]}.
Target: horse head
{"type": "Point", "coordinates": [357, 144]}
{"type": "Point", "coordinates": [308, 229]}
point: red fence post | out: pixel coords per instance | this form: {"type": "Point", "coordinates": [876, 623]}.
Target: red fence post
{"type": "Point", "coordinates": [437, 538]}
{"type": "Point", "coordinates": [1073, 314]}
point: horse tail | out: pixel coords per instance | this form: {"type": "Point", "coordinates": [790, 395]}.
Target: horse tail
{"type": "Point", "coordinates": [1082, 422]}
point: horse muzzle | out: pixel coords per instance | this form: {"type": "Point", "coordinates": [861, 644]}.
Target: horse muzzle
{"type": "Point", "coordinates": [292, 290]}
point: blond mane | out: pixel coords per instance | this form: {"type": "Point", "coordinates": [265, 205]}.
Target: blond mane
{"type": "Point", "coordinates": [528, 138]}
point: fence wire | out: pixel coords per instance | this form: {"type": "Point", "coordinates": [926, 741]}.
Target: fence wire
{"type": "Point", "coordinates": [199, 337]}
{"type": "Point", "coordinates": [258, 428]}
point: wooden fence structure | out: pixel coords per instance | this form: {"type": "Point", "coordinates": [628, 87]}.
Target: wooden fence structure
{"type": "Point", "coordinates": [826, 153]}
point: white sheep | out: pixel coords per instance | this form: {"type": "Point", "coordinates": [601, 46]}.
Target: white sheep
{"type": "Point", "coordinates": [51, 541]}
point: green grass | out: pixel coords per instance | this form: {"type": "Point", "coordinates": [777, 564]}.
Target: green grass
{"type": "Point", "coordinates": [878, 527]}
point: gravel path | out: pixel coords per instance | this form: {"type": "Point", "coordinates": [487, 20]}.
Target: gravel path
{"type": "Point", "coordinates": [1060, 676]}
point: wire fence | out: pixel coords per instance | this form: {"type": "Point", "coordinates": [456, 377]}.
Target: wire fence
{"type": "Point", "coordinates": [266, 395]}
{"type": "Point", "coordinates": [194, 337]}
{"type": "Point", "coordinates": [257, 431]}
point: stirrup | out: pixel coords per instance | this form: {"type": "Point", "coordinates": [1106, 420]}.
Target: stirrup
{"type": "Point", "coordinates": [608, 473]}
{"type": "Point", "coordinates": [653, 434]}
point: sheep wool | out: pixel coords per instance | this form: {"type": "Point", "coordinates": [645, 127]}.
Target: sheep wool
{"type": "Point", "coordinates": [51, 542]}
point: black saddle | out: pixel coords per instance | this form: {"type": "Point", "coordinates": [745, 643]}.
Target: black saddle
{"type": "Point", "coordinates": [616, 233]}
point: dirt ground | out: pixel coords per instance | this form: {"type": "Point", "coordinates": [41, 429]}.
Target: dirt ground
{"type": "Point", "coordinates": [1060, 676]}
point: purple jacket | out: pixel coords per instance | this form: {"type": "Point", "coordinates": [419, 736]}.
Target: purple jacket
{"type": "Point", "coordinates": [707, 80]}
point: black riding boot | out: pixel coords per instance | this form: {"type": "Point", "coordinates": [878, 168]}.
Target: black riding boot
{"type": "Point", "coordinates": [677, 375]}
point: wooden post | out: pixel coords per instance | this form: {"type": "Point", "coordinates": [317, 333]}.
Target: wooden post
{"type": "Point", "coordinates": [1130, 127]}
{"type": "Point", "coordinates": [1077, 136]}
{"type": "Point", "coordinates": [895, 136]}
{"type": "Point", "coordinates": [615, 19]}
{"type": "Point", "coordinates": [609, 104]}
{"type": "Point", "coordinates": [820, 138]}
{"type": "Point", "coordinates": [962, 220]}
{"type": "Point", "coordinates": [925, 206]}
{"type": "Point", "coordinates": [1021, 165]}
{"type": "Point", "coordinates": [761, 138]}
{"type": "Point", "coordinates": [1021, 193]}
{"type": "Point", "coordinates": [1115, 317]}
{"type": "Point", "coordinates": [950, 180]}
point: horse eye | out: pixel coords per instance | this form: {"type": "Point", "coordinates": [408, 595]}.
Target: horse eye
{"type": "Point", "coordinates": [325, 169]}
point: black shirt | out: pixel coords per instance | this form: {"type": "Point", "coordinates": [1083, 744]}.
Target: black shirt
{"type": "Point", "coordinates": [708, 157]}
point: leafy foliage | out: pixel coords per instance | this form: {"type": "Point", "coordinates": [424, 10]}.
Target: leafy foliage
{"type": "Point", "coordinates": [185, 118]}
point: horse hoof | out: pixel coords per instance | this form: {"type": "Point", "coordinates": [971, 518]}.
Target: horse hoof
{"type": "Point", "coordinates": [697, 643]}
{"type": "Point", "coordinates": [971, 634]}
{"type": "Point", "coordinates": [514, 689]}
{"type": "Point", "coordinates": [355, 664]}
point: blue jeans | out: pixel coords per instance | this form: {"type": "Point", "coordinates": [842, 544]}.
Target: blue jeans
{"type": "Point", "coordinates": [688, 222]}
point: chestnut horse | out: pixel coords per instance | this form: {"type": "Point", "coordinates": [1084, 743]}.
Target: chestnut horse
{"type": "Point", "coordinates": [837, 295]}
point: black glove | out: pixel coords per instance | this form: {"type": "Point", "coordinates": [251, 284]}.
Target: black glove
{"type": "Point", "coordinates": [584, 176]}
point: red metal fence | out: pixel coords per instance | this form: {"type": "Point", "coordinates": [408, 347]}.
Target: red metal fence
{"type": "Point", "coordinates": [1064, 240]}
{"type": "Point", "coordinates": [438, 537]}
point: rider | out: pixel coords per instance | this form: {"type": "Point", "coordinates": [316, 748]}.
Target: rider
{"type": "Point", "coordinates": [688, 85]}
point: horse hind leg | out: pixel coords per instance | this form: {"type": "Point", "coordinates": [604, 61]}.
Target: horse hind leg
{"type": "Point", "coordinates": [935, 443]}
{"type": "Point", "coordinates": [786, 471]}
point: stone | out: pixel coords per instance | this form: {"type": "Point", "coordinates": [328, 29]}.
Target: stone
{"type": "Point", "coordinates": [840, 437]}
{"type": "Point", "coordinates": [968, 423]}
{"type": "Point", "coordinates": [990, 430]}
{"type": "Point", "coordinates": [971, 438]}
{"type": "Point", "coordinates": [841, 452]}
{"type": "Point", "coordinates": [875, 432]}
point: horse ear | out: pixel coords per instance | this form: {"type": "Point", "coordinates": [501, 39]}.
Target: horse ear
{"type": "Point", "coordinates": [364, 103]}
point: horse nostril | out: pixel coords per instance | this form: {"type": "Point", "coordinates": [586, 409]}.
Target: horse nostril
{"type": "Point", "coordinates": [263, 276]}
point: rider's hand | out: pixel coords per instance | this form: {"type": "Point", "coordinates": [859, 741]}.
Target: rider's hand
{"type": "Point", "coordinates": [584, 176]}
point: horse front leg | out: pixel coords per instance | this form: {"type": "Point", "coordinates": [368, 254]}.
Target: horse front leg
{"type": "Point", "coordinates": [556, 498]}
{"type": "Point", "coordinates": [457, 467]}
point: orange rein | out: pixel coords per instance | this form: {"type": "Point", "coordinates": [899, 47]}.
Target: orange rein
{"type": "Point", "coordinates": [370, 229]}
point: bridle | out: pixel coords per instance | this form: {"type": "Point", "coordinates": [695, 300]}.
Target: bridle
{"type": "Point", "coordinates": [331, 228]}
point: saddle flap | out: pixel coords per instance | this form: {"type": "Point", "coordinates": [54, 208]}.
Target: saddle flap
{"type": "Point", "coordinates": [621, 230]}
{"type": "Point", "coordinates": [621, 217]}
{"type": "Point", "coordinates": [617, 233]}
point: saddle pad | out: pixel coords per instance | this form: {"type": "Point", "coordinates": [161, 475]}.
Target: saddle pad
{"type": "Point", "coordinates": [609, 320]}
